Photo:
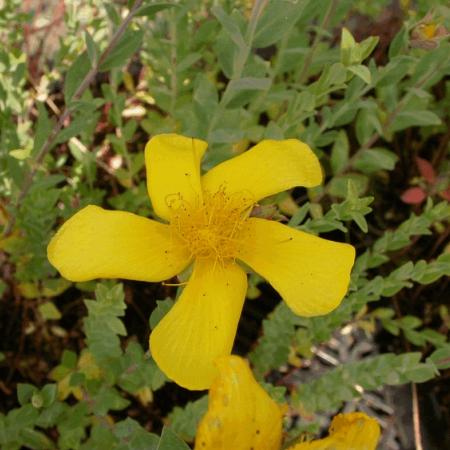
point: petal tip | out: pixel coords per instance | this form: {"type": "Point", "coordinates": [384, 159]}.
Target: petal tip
{"type": "Point", "coordinates": [157, 350]}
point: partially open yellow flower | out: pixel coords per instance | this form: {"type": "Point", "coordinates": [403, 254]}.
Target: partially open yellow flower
{"type": "Point", "coordinates": [352, 431]}
{"type": "Point", "coordinates": [208, 222]}
{"type": "Point", "coordinates": [242, 416]}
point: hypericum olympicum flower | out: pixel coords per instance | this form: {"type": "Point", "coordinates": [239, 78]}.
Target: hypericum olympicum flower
{"type": "Point", "coordinates": [242, 416]}
{"type": "Point", "coordinates": [209, 224]}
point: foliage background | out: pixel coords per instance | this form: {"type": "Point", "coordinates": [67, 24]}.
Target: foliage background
{"type": "Point", "coordinates": [372, 102]}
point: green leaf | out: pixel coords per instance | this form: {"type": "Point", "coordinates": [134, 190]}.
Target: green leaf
{"type": "Point", "coordinates": [75, 75]}
{"type": "Point", "coordinates": [362, 72]}
{"type": "Point", "coordinates": [277, 19]}
{"type": "Point", "coordinates": [368, 46]}
{"type": "Point", "coordinates": [347, 39]}
{"type": "Point", "coordinates": [230, 27]}
{"type": "Point", "coordinates": [134, 437]}
{"type": "Point", "coordinates": [339, 184]}
{"type": "Point", "coordinates": [339, 152]}
{"type": "Point", "coordinates": [103, 326]}
{"type": "Point", "coordinates": [367, 122]}
{"type": "Point", "coordinates": [170, 441]}
{"type": "Point", "coordinates": [49, 311]}
{"type": "Point", "coordinates": [277, 393]}
{"type": "Point", "coordinates": [24, 392]}
{"type": "Point", "coordinates": [441, 357]}
{"type": "Point", "coordinates": [399, 43]}
{"type": "Point", "coordinates": [349, 48]}
{"type": "Point", "coordinates": [331, 390]}
{"type": "Point", "coordinates": [49, 393]}
{"type": "Point", "coordinates": [375, 159]}
{"type": "Point", "coordinates": [69, 359]}
{"type": "Point", "coordinates": [35, 439]}
{"type": "Point", "coordinates": [184, 421]}
{"type": "Point", "coordinates": [37, 400]}
{"type": "Point", "coordinates": [394, 71]}
{"type": "Point", "coordinates": [407, 119]}
{"type": "Point", "coordinates": [113, 14]}
{"type": "Point", "coordinates": [273, 347]}
{"type": "Point", "coordinates": [42, 129]}
{"type": "Point", "coordinates": [108, 398]}
{"type": "Point", "coordinates": [188, 61]}
{"type": "Point", "coordinates": [245, 84]}
{"type": "Point", "coordinates": [91, 47]}
{"type": "Point", "coordinates": [123, 51]}
{"type": "Point", "coordinates": [162, 308]}
{"type": "Point", "coordinates": [20, 154]}
{"type": "Point", "coordinates": [152, 9]}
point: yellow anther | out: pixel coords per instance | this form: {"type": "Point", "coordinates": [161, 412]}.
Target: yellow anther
{"type": "Point", "coordinates": [211, 227]}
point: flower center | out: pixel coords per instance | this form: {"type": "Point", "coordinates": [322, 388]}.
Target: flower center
{"type": "Point", "coordinates": [210, 228]}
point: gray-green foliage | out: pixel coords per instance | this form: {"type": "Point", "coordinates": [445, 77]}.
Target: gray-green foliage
{"type": "Point", "coordinates": [346, 382]}
{"type": "Point", "coordinates": [103, 382]}
{"type": "Point", "coordinates": [282, 326]}
{"type": "Point", "coordinates": [220, 72]}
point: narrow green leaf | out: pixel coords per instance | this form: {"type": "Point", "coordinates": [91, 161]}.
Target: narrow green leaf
{"type": "Point", "coordinates": [75, 75]}
{"type": "Point", "coordinates": [375, 159]}
{"type": "Point", "coordinates": [245, 84]}
{"type": "Point", "coordinates": [49, 311]}
{"type": "Point", "coordinates": [362, 72]}
{"type": "Point", "coordinates": [162, 308]}
{"type": "Point", "coordinates": [91, 47]}
{"type": "Point", "coordinates": [152, 9]}
{"type": "Point", "coordinates": [123, 51]}
{"type": "Point", "coordinates": [170, 441]}
{"type": "Point", "coordinates": [339, 152]}
{"type": "Point", "coordinates": [184, 421]}
{"type": "Point", "coordinates": [230, 26]}
{"type": "Point", "coordinates": [407, 119]}
{"type": "Point", "coordinates": [277, 19]}
{"type": "Point", "coordinates": [24, 392]}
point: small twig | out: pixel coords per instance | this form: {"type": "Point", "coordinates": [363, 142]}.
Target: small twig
{"type": "Point", "coordinates": [415, 398]}
{"type": "Point", "coordinates": [416, 418]}
{"type": "Point", "coordinates": [49, 142]}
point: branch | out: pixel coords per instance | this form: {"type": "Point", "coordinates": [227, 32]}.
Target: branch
{"type": "Point", "coordinates": [48, 144]}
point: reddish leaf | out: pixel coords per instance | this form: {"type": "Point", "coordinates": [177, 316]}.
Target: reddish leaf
{"type": "Point", "coordinates": [445, 194]}
{"type": "Point", "coordinates": [426, 170]}
{"type": "Point", "coordinates": [414, 196]}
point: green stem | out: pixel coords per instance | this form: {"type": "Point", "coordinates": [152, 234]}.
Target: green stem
{"type": "Point", "coordinates": [310, 55]}
{"type": "Point", "coordinates": [258, 8]}
{"type": "Point", "coordinates": [173, 60]}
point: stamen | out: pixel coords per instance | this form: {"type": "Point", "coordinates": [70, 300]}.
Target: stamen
{"type": "Point", "coordinates": [211, 227]}
{"type": "Point", "coordinates": [184, 283]}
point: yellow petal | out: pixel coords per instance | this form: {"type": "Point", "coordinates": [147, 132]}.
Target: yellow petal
{"type": "Point", "coordinates": [353, 431]}
{"type": "Point", "coordinates": [310, 273]}
{"type": "Point", "coordinates": [266, 169]}
{"type": "Point", "coordinates": [201, 326]}
{"type": "Point", "coordinates": [95, 243]}
{"type": "Point", "coordinates": [173, 170]}
{"type": "Point", "coordinates": [241, 415]}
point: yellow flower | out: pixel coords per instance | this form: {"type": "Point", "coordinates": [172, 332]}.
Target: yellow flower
{"type": "Point", "coordinates": [242, 416]}
{"type": "Point", "coordinates": [207, 223]}
{"type": "Point", "coordinates": [352, 431]}
{"type": "Point", "coordinates": [428, 33]}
